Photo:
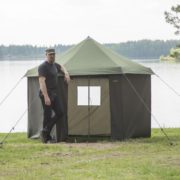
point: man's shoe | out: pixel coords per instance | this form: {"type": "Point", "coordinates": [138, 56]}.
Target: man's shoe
{"type": "Point", "coordinates": [49, 137]}
{"type": "Point", "coordinates": [44, 136]}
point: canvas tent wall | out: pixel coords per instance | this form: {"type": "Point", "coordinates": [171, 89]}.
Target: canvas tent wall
{"type": "Point", "coordinates": [121, 114]}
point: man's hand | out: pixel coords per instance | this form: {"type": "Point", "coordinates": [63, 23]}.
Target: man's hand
{"type": "Point", "coordinates": [66, 74]}
{"type": "Point", "coordinates": [67, 77]}
{"type": "Point", "coordinates": [44, 90]}
{"type": "Point", "coordinates": [47, 100]}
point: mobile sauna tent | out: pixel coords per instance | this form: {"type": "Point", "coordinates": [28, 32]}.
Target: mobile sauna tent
{"type": "Point", "coordinates": [106, 95]}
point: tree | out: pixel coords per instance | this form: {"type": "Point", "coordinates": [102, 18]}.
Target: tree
{"type": "Point", "coordinates": [173, 18]}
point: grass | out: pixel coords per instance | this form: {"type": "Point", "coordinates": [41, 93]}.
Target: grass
{"type": "Point", "coordinates": [144, 158]}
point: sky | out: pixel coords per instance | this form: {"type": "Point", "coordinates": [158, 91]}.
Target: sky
{"type": "Point", "coordinates": [49, 22]}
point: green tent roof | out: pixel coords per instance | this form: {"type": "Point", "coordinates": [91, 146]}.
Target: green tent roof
{"type": "Point", "coordinates": [91, 58]}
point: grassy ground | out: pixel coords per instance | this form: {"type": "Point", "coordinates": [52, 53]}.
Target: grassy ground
{"type": "Point", "coordinates": [146, 158]}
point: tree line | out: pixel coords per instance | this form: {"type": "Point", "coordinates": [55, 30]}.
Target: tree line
{"type": "Point", "coordinates": [23, 52]}
{"type": "Point", "coordinates": [142, 49]}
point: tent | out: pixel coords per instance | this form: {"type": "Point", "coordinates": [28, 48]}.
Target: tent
{"type": "Point", "coordinates": [109, 95]}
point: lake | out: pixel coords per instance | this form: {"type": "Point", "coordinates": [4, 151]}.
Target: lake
{"type": "Point", "coordinates": [165, 103]}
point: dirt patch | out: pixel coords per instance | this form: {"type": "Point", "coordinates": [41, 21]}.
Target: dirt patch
{"type": "Point", "coordinates": [57, 154]}
{"type": "Point", "coordinates": [174, 162]}
{"type": "Point", "coordinates": [98, 146]}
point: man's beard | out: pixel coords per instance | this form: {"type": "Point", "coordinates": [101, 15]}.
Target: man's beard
{"type": "Point", "coordinates": [52, 60]}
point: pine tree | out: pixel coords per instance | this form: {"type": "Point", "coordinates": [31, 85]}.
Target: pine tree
{"type": "Point", "coordinates": [173, 18]}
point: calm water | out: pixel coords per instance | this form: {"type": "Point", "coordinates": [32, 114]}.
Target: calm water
{"type": "Point", "coordinates": [165, 103]}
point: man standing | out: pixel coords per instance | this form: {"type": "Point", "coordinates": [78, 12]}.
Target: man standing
{"type": "Point", "coordinates": [48, 81]}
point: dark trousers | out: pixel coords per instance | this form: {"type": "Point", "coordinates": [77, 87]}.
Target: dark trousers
{"type": "Point", "coordinates": [50, 118]}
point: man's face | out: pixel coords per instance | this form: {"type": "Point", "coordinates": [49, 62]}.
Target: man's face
{"type": "Point", "coordinates": [50, 57]}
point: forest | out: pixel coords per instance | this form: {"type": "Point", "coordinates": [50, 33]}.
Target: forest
{"type": "Point", "coordinates": [142, 49]}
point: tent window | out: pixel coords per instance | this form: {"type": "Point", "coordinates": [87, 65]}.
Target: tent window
{"type": "Point", "coordinates": [94, 95]}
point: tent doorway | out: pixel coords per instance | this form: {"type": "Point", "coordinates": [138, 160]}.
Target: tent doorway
{"type": "Point", "coordinates": [92, 119]}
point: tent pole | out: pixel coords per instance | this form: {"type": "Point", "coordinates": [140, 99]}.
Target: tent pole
{"type": "Point", "coordinates": [88, 108]}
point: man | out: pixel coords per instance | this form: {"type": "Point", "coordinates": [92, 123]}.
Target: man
{"type": "Point", "coordinates": [48, 81]}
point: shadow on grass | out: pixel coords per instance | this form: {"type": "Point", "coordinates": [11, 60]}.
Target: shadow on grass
{"type": "Point", "coordinates": [90, 139]}
{"type": "Point", "coordinates": [172, 141]}
{"type": "Point", "coordinates": [155, 139]}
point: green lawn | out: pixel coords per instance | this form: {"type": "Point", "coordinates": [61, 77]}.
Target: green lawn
{"type": "Point", "coordinates": [145, 158]}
